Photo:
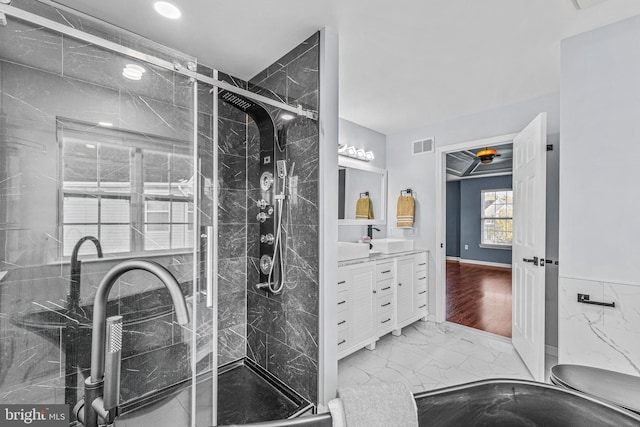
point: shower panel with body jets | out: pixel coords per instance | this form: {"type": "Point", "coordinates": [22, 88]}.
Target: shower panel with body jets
{"type": "Point", "coordinates": [273, 185]}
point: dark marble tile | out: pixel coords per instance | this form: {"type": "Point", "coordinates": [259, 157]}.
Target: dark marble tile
{"type": "Point", "coordinates": [140, 337]}
{"type": "Point", "coordinates": [297, 370]}
{"type": "Point", "coordinates": [266, 314]}
{"type": "Point", "coordinates": [232, 206]}
{"type": "Point", "coordinates": [273, 87]}
{"type": "Point", "coordinates": [304, 153]}
{"type": "Point", "coordinates": [151, 371]}
{"type": "Point", "coordinates": [232, 308]}
{"type": "Point", "coordinates": [302, 292]}
{"type": "Point", "coordinates": [232, 240]}
{"type": "Point", "coordinates": [232, 274]}
{"type": "Point", "coordinates": [253, 173]}
{"type": "Point", "coordinates": [257, 346]}
{"type": "Point", "coordinates": [205, 99]}
{"type": "Point", "coordinates": [232, 172]}
{"type": "Point", "coordinates": [301, 331]}
{"type": "Point", "coordinates": [149, 116]}
{"type": "Point", "coordinates": [302, 247]}
{"type": "Point", "coordinates": [302, 79]}
{"type": "Point", "coordinates": [232, 344]}
{"type": "Point", "coordinates": [302, 128]}
{"type": "Point", "coordinates": [253, 240]}
{"type": "Point", "coordinates": [232, 80]}
{"type": "Point", "coordinates": [205, 70]}
{"type": "Point", "coordinates": [253, 273]}
{"type": "Point", "coordinates": [303, 204]}
{"type": "Point", "coordinates": [26, 44]}
{"type": "Point", "coordinates": [232, 138]}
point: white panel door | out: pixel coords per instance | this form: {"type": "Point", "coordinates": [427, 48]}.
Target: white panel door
{"type": "Point", "coordinates": [529, 228]}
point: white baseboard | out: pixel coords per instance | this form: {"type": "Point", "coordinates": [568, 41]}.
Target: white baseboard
{"type": "Point", "coordinates": [453, 258]}
{"type": "Point", "coordinates": [551, 350]}
{"type": "Point", "coordinates": [487, 263]}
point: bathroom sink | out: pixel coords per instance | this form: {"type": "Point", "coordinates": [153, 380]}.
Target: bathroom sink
{"type": "Point", "coordinates": [349, 250]}
{"type": "Point", "coordinates": [391, 246]}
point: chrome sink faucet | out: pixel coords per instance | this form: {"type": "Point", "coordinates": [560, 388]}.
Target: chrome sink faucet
{"type": "Point", "coordinates": [101, 390]}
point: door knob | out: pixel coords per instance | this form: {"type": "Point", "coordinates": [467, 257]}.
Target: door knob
{"type": "Point", "coordinates": [534, 261]}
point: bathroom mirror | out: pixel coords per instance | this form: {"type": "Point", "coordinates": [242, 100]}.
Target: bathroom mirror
{"type": "Point", "coordinates": [355, 178]}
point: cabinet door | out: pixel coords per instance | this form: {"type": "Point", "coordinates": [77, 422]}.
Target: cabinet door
{"type": "Point", "coordinates": [362, 308]}
{"type": "Point", "coordinates": [406, 302]}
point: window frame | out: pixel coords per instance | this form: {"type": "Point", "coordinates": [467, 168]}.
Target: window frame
{"type": "Point", "coordinates": [137, 143]}
{"type": "Point", "coordinates": [483, 218]}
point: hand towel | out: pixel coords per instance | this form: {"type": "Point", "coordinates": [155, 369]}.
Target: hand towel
{"type": "Point", "coordinates": [337, 413]}
{"type": "Point", "coordinates": [364, 208]}
{"type": "Point", "coordinates": [384, 405]}
{"type": "Point", "coordinates": [406, 211]}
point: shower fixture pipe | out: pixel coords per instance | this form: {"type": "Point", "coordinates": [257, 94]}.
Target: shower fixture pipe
{"type": "Point", "coordinates": [132, 53]}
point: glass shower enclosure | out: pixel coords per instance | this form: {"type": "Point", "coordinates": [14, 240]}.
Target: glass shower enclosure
{"type": "Point", "coordinates": [103, 158]}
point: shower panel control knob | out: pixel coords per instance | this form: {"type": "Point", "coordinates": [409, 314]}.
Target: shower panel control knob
{"type": "Point", "coordinates": [268, 239]}
{"type": "Point", "coordinates": [262, 217]}
{"type": "Point", "coordinates": [270, 210]}
{"type": "Point", "coordinates": [262, 203]}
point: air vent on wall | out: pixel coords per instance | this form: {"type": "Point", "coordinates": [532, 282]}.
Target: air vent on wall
{"type": "Point", "coordinates": [423, 146]}
{"type": "Point", "coordinates": [583, 4]}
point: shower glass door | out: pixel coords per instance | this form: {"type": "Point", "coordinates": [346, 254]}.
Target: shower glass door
{"type": "Point", "coordinates": [96, 142]}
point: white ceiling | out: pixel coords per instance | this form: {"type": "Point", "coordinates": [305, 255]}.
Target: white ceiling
{"type": "Point", "coordinates": [403, 64]}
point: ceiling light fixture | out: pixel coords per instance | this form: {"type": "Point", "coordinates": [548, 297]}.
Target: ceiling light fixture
{"type": "Point", "coordinates": [133, 72]}
{"type": "Point", "coordinates": [486, 156]}
{"type": "Point", "coordinates": [287, 117]}
{"type": "Point", "coordinates": [167, 10]}
{"type": "Point", "coordinates": [105, 124]}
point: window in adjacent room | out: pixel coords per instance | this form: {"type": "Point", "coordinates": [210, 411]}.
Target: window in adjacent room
{"type": "Point", "coordinates": [497, 218]}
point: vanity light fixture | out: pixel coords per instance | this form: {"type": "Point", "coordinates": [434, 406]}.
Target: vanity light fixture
{"type": "Point", "coordinates": [167, 10]}
{"type": "Point", "coordinates": [356, 153]}
{"type": "Point", "coordinates": [133, 71]}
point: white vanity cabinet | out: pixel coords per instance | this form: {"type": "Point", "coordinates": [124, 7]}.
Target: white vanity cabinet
{"type": "Point", "coordinates": [356, 307]}
{"type": "Point", "coordinates": [376, 297]}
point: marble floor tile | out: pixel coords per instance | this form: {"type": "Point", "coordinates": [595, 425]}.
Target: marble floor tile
{"type": "Point", "coordinates": [428, 356]}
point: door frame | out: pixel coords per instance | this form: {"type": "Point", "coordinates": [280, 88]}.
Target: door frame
{"type": "Point", "coordinates": [441, 213]}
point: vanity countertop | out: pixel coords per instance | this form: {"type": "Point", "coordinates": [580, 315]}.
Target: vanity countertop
{"type": "Point", "coordinates": [379, 256]}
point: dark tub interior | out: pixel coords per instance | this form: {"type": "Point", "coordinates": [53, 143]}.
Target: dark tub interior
{"type": "Point", "coordinates": [502, 403]}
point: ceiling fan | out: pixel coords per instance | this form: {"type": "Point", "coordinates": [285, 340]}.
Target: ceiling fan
{"type": "Point", "coordinates": [487, 155]}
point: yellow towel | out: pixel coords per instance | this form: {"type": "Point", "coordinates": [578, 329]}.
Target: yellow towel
{"type": "Point", "coordinates": [364, 208]}
{"type": "Point", "coordinates": [406, 211]}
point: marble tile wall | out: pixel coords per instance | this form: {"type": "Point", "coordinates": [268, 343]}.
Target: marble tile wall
{"type": "Point", "coordinates": [44, 76]}
{"type": "Point", "coordinates": [282, 330]}
{"type": "Point", "coordinates": [593, 335]}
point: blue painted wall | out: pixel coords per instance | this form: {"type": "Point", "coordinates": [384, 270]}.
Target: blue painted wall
{"type": "Point", "coordinates": [470, 215]}
{"type": "Point", "coordinates": [453, 219]}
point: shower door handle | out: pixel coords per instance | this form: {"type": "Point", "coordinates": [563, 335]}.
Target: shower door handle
{"type": "Point", "coordinates": [211, 264]}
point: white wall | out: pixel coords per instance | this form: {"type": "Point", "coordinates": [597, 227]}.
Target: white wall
{"type": "Point", "coordinates": [361, 137]}
{"type": "Point", "coordinates": [419, 172]}
{"type": "Point", "coordinates": [599, 238]}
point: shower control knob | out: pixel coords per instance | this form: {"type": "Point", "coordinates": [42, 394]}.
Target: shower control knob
{"type": "Point", "coordinates": [270, 210]}
{"type": "Point", "coordinates": [262, 217]}
{"type": "Point", "coordinates": [262, 203]}
{"type": "Point", "coordinates": [268, 239]}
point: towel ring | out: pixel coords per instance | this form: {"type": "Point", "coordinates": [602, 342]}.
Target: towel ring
{"type": "Point", "coordinates": [408, 191]}
{"type": "Point", "coordinates": [366, 193]}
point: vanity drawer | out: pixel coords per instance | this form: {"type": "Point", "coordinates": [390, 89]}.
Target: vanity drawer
{"type": "Point", "coordinates": [384, 303]}
{"type": "Point", "coordinates": [343, 276]}
{"type": "Point", "coordinates": [421, 262]}
{"type": "Point", "coordinates": [384, 271]}
{"type": "Point", "coordinates": [421, 302]}
{"type": "Point", "coordinates": [385, 319]}
{"type": "Point", "coordinates": [421, 280]}
{"type": "Point", "coordinates": [384, 287]}
{"type": "Point", "coordinates": [343, 301]}
{"type": "Point", "coordinates": [342, 320]}
{"type": "Point", "coordinates": [342, 340]}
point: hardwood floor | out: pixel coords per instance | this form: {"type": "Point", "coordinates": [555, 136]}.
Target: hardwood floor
{"type": "Point", "coordinates": [479, 296]}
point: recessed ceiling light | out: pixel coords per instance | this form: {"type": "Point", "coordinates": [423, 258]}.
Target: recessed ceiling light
{"type": "Point", "coordinates": [133, 71]}
{"type": "Point", "coordinates": [105, 124]}
{"type": "Point", "coordinates": [167, 10]}
{"type": "Point", "coordinates": [286, 116]}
